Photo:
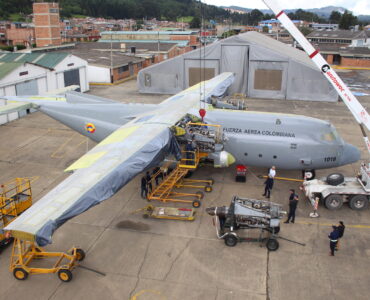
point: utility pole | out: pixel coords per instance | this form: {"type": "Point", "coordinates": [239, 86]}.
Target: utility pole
{"type": "Point", "coordinates": [111, 57]}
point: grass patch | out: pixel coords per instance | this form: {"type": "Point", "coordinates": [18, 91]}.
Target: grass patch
{"type": "Point", "coordinates": [187, 19]}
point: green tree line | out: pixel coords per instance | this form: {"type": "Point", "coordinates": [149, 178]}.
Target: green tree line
{"type": "Point", "coordinates": [163, 10]}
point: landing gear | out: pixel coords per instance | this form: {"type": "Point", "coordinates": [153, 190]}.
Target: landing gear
{"type": "Point", "coordinates": [308, 174]}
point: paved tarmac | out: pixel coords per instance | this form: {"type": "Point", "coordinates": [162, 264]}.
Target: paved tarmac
{"type": "Point", "coordinates": [162, 259]}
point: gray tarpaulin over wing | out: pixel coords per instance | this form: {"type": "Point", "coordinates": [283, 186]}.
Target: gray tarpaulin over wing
{"type": "Point", "coordinates": [151, 154]}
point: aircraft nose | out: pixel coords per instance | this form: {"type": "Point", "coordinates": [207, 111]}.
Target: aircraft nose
{"type": "Point", "coordinates": [350, 154]}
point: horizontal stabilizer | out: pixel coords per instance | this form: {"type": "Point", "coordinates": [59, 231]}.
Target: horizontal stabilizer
{"type": "Point", "coordinates": [75, 97]}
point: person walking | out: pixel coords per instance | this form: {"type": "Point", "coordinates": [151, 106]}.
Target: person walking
{"type": "Point", "coordinates": [333, 236]}
{"type": "Point", "coordinates": [144, 188]}
{"type": "Point", "coordinates": [269, 183]}
{"type": "Point", "coordinates": [340, 228]}
{"type": "Point", "coordinates": [292, 206]}
{"type": "Point", "coordinates": [189, 153]}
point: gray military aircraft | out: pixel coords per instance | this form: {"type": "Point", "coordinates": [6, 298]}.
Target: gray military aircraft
{"type": "Point", "coordinates": [135, 137]}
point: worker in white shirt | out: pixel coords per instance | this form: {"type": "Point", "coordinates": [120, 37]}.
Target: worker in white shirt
{"type": "Point", "coordinates": [269, 183]}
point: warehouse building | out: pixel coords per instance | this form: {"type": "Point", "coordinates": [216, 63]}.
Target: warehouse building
{"type": "Point", "coordinates": [264, 68]}
{"type": "Point", "coordinates": [38, 73]}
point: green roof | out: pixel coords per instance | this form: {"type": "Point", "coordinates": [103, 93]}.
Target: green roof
{"type": "Point", "coordinates": [47, 60]}
{"type": "Point", "coordinates": [7, 67]}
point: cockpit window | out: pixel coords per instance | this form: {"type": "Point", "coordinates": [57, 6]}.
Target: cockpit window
{"type": "Point", "coordinates": [329, 137]}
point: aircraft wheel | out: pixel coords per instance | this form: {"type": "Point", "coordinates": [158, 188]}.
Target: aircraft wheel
{"type": "Point", "coordinates": [208, 188]}
{"type": "Point", "coordinates": [272, 244]}
{"type": "Point", "coordinates": [230, 240]}
{"type": "Point", "coordinates": [359, 202]}
{"type": "Point", "coordinates": [334, 202]}
{"type": "Point", "coordinates": [196, 203]}
{"type": "Point", "coordinates": [65, 275]}
{"type": "Point", "coordinates": [80, 254]}
{"type": "Point", "coordinates": [335, 178]}
{"type": "Point", "coordinates": [20, 273]}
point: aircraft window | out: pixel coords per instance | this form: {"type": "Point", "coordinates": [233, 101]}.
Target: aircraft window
{"type": "Point", "coordinates": [246, 154]}
{"type": "Point", "coordinates": [278, 122]}
{"type": "Point", "coordinates": [329, 137]}
{"type": "Point", "coordinates": [260, 155]}
{"type": "Point", "coordinates": [275, 156]}
{"type": "Point", "coordinates": [293, 146]}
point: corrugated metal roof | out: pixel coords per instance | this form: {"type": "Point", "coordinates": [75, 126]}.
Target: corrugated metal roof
{"type": "Point", "coordinates": [47, 60]}
{"type": "Point", "coordinates": [178, 42]}
{"type": "Point", "coordinates": [7, 67]}
{"type": "Point", "coordinates": [149, 32]}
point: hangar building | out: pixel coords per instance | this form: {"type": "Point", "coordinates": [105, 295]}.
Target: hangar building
{"type": "Point", "coordinates": [38, 73]}
{"type": "Point", "coordinates": [264, 68]}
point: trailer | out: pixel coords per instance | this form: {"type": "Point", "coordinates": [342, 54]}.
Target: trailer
{"type": "Point", "coordinates": [244, 213]}
{"type": "Point", "coordinates": [336, 189]}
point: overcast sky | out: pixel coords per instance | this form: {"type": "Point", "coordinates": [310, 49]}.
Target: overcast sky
{"type": "Point", "coordinates": [358, 7]}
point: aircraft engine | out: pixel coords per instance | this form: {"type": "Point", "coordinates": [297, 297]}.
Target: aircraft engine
{"type": "Point", "coordinates": [222, 159]}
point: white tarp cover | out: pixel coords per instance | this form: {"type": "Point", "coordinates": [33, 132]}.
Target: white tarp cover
{"type": "Point", "coordinates": [243, 55]}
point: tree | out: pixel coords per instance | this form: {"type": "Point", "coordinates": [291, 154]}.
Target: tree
{"type": "Point", "coordinates": [335, 17]}
{"type": "Point", "coordinates": [305, 31]}
{"type": "Point", "coordinates": [347, 20]}
{"type": "Point", "coordinates": [255, 16]}
{"type": "Point", "coordinates": [195, 23]}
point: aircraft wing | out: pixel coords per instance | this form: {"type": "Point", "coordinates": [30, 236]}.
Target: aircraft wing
{"type": "Point", "coordinates": [138, 145]}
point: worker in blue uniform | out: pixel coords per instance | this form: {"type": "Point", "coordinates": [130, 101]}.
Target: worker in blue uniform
{"type": "Point", "coordinates": [333, 236]}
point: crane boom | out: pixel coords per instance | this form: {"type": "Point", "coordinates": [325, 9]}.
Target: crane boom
{"type": "Point", "coordinates": [355, 107]}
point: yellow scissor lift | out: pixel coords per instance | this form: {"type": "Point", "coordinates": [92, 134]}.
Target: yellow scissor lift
{"type": "Point", "coordinates": [15, 198]}
{"type": "Point", "coordinates": [176, 179]}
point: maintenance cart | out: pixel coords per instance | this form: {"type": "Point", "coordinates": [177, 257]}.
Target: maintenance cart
{"type": "Point", "coordinates": [246, 213]}
{"type": "Point", "coordinates": [15, 198]}
{"type": "Point", "coordinates": [335, 189]}
{"type": "Point", "coordinates": [169, 213]}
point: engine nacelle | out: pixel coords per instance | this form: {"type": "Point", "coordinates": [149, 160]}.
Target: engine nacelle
{"type": "Point", "coordinates": [222, 159]}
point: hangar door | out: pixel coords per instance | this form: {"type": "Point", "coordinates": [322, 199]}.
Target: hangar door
{"type": "Point", "coordinates": [197, 70]}
{"type": "Point", "coordinates": [27, 88]}
{"type": "Point", "coordinates": [235, 59]}
{"type": "Point", "coordinates": [267, 79]}
{"type": "Point", "coordinates": [72, 77]}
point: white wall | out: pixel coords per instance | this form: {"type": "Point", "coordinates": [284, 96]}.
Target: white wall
{"type": "Point", "coordinates": [7, 83]}
{"type": "Point", "coordinates": [98, 74]}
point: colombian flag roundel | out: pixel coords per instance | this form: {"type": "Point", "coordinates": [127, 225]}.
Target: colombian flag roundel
{"type": "Point", "coordinates": [90, 127]}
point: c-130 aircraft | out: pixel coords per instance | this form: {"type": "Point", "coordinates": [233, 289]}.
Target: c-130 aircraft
{"type": "Point", "coordinates": [135, 137]}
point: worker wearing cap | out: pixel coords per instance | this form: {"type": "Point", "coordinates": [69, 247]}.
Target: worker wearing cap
{"type": "Point", "coordinates": [269, 183]}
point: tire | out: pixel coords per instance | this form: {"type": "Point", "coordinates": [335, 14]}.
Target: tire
{"type": "Point", "coordinates": [200, 195]}
{"type": "Point", "coordinates": [65, 275]}
{"type": "Point", "coordinates": [20, 273]}
{"type": "Point", "coordinates": [359, 202]}
{"type": "Point", "coordinates": [80, 254]}
{"type": "Point", "coordinates": [309, 174]}
{"type": "Point", "coordinates": [333, 202]}
{"type": "Point", "coordinates": [335, 178]}
{"type": "Point", "coordinates": [272, 244]}
{"type": "Point", "coordinates": [196, 203]}
{"type": "Point", "coordinates": [230, 240]}
{"type": "Point", "coordinates": [208, 188]}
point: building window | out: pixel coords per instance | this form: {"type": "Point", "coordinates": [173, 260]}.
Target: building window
{"type": "Point", "coordinates": [23, 73]}
{"type": "Point", "coordinates": [53, 10]}
{"type": "Point", "coordinates": [140, 65]}
{"type": "Point", "coordinates": [122, 69]}
{"type": "Point", "coordinates": [71, 64]}
{"type": "Point", "coordinates": [268, 79]}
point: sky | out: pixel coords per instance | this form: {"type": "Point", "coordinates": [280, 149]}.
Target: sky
{"type": "Point", "coordinates": [358, 7]}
